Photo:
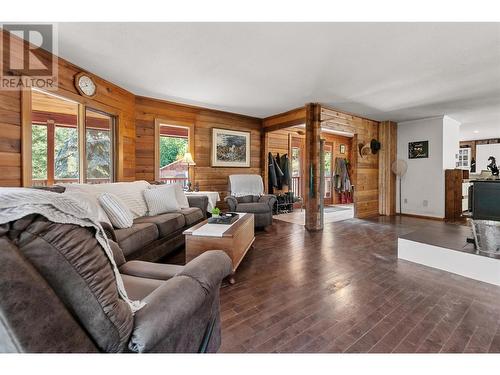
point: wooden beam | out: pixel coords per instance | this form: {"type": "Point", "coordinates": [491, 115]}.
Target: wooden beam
{"type": "Point", "coordinates": [387, 134]}
{"type": "Point", "coordinates": [51, 150]}
{"type": "Point", "coordinates": [26, 137]}
{"type": "Point", "coordinates": [313, 197]}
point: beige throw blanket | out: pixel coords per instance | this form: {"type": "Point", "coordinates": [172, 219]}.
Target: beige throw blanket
{"type": "Point", "coordinates": [16, 203]}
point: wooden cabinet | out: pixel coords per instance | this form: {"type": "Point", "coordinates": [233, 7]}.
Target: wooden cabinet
{"type": "Point", "coordinates": [453, 194]}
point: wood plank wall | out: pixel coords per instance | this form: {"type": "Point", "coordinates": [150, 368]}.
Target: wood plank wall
{"type": "Point", "coordinates": [109, 98]}
{"type": "Point", "coordinates": [365, 178]}
{"type": "Point", "coordinates": [275, 127]}
{"type": "Point", "coordinates": [203, 119]}
{"type": "Point", "coordinates": [388, 132]}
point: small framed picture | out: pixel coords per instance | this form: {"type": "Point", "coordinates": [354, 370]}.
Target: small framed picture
{"type": "Point", "coordinates": [342, 149]}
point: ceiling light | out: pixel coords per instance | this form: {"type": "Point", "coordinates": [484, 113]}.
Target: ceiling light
{"type": "Point", "coordinates": [476, 131]}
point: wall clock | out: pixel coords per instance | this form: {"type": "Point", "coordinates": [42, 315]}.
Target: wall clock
{"type": "Point", "coordinates": [85, 85]}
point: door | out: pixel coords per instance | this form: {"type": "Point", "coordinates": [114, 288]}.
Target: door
{"type": "Point", "coordinates": [328, 173]}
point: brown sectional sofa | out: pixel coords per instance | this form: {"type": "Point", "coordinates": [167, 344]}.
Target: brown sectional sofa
{"type": "Point", "coordinates": [154, 237]}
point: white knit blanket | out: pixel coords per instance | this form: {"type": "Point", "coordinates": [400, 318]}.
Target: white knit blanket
{"type": "Point", "coordinates": [16, 203]}
{"type": "Point", "coordinates": [246, 184]}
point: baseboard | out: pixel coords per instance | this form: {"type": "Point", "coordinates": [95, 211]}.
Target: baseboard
{"type": "Point", "coordinates": [422, 217]}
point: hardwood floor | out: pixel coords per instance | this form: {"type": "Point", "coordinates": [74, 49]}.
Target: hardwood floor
{"type": "Point", "coordinates": [343, 290]}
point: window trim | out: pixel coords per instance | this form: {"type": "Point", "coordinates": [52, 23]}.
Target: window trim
{"type": "Point", "coordinates": [83, 105]}
{"type": "Point", "coordinates": [179, 124]}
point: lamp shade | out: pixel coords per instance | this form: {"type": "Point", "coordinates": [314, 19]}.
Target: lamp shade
{"type": "Point", "coordinates": [188, 159]}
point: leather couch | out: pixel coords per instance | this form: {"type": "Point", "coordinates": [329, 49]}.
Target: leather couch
{"type": "Point", "coordinates": [58, 293]}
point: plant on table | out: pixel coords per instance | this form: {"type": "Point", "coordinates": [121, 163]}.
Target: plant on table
{"type": "Point", "coordinates": [215, 212]}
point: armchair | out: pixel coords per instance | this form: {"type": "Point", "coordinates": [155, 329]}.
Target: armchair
{"type": "Point", "coordinates": [247, 195]}
{"type": "Point", "coordinates": [58, 294]}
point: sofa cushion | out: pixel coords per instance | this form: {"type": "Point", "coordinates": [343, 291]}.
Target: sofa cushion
{"type": "Point", "coordinates": [138, 287]}
{"type": "Point", "coordinates": [166, 223]}
{"type": "Point", "coordinates": [131, 193]}
{"type": "Point", "coordinates": [137, 236]}
{"type": "Point", "coordinates": [192, 215]}
{"type": "Point", "coordinates": [70, 259]}
{"type": "Point", "coordinates": [245, 199]}
{"type": "Point", "coordinates": [161, 200]}
{"type": "Point", "coordinates": [256, 208]}
{"type": "Point", "coordinates": [118, 213]}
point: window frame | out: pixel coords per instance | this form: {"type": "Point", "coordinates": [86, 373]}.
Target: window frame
{"type": "Point", "coordinates": [82, 104]}
{"type": "Point", "coordinates": [176, 124]}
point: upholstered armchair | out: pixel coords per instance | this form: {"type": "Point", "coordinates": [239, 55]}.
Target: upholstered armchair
{"type": "Point", "coordinates": [246, 194]}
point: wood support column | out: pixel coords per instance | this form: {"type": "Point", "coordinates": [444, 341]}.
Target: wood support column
{"type": "Point", "coordinates": [313, 197]}
{"type": "Point", "coordinates": [387, 133]}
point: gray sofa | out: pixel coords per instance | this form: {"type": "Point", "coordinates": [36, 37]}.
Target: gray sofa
{"type": "Point", "coordinates": [58, 293]}
{"type": "Point", "coordinates": [154, 237]}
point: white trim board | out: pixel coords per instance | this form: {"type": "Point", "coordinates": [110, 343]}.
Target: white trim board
{"type": "Point", "coordinates": [473, 266]}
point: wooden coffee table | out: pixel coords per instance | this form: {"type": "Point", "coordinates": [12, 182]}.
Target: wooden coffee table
{"type": "Point", "coordinates": [235, 242]}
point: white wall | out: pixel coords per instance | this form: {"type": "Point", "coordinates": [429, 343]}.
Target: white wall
{"type": "Point", "coordinates": [483, 152]}
{"type": "Point", "coordinates": [423, 185]}
{"type": "Point", "coordinates": [451, 142]}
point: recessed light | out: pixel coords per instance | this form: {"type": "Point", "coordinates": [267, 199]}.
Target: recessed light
{"type": "Point", "coordinates": [476, 131]}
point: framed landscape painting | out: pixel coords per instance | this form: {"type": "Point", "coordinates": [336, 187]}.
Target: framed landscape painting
{"type": "Point", "coordinates": [230, 148]}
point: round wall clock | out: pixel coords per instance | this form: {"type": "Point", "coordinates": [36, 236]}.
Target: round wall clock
{"type": "Point", "coordinates": [85, 85]}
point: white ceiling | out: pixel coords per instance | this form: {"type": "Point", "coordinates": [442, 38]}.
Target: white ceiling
{"type": "Point", "coordinates": [398, 71]}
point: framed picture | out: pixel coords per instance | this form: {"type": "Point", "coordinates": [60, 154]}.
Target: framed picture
{"type": "Point", "coordinates": [230, 148]}
{"type": "Point", "coordinates": [342, 149]}
{"type": "Point", "coordinates": [418, 150]}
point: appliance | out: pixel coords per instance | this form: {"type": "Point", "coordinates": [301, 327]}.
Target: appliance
{"type": "Point", "coordinates": [484, 200]}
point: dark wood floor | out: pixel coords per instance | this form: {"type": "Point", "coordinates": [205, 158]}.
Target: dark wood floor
{"type": "Point", "coordinates": [343, 290]}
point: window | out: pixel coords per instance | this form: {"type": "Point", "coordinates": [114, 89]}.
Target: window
{"type": "Point", "coordinates": [98, 146]}
{"type": "Point", "coordinates": [57, 155]}
{"type": "Point", "coordinates": [173, 145]}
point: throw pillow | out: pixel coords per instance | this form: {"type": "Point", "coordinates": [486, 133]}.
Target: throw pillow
{"type": "Point", "coordinates": [181, 196]}
{"type": "Point", "coordinates": [118, 213]}
{"type": "Point", "coordinates": [162, 199]}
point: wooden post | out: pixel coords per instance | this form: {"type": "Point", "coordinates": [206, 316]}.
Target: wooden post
{"type": "Point", "coordinates": [312, 196]}
{"type": "Point", "coordinates": [51, 150]}
{"type": "Point", "coordinates": [387, 133]}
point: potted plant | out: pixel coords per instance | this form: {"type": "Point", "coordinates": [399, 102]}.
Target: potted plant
{"type": "Point", "coordinates": [215, 212]}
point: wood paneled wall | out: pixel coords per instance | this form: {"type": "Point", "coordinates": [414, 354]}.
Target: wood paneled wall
{"type": "Point", "coordinates": [109, 98]}
{"type": "Point", "coordinates": [388, 132]}
{"type": "Point", "coordinates": [365, 176]}
{"type": "Point", "coordinates": [208, 178]}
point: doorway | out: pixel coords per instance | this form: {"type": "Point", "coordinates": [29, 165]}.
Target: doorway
{"type": "Point", "coordinates": [338, 172]}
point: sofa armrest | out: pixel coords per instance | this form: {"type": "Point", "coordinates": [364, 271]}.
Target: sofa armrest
{"type": "Point", "coordinates": [172, 309]}
{"type": "Point", "coordinates": [269, 199]}
{"type": "Point", "coordinates": [200, 201]}
{"type": "Point", "coordinates": [232, 202]}
{"type": "Point", "coordinates": [209, 268]}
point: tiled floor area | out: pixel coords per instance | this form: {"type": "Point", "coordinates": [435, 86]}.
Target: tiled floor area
{"type": "Point", "coordinates": [343, 290]}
